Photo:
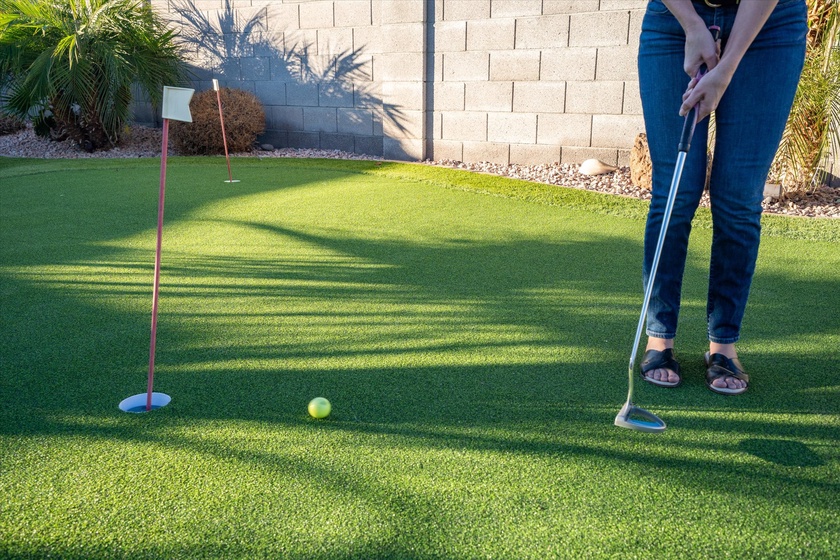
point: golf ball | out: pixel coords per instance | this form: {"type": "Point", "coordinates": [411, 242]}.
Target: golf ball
{"type": "Point", "coordinates": [319, 407]}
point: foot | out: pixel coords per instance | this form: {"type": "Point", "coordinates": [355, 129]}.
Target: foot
{"type": "Point", "coordinates": [728, 384]}
{"type": "Point", "coordinates": [665, 371]}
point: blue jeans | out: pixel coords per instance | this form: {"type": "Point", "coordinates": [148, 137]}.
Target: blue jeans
{"type": "Point", "coordinates": [749, 120]}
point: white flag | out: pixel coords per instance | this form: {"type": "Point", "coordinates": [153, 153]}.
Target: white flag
{"type": "Point", "coordinates": [176, 103]}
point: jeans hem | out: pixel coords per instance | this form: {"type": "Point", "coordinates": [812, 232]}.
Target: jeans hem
{"type": "Point", "coordinates": [728, 340]}
{"type": "Point", "coordinates": [667, 336]}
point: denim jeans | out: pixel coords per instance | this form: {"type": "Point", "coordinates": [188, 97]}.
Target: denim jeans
{"type": "Point", "coordinates": [750, 119]}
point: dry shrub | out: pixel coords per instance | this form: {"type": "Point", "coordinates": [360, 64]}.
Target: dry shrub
{"type": "Point", "coordinates": [9, 124]}
{"type": "Point", "coordinates": [244, 120]}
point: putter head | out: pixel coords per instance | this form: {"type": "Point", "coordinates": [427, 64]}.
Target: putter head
{"type": "Point", "coordinates": [635, 418]}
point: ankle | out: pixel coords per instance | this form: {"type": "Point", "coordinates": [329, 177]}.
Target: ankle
{"type": "Point", "coordinates": [727, 350]}
{"type": "Point", "coordinates": [659, 344]}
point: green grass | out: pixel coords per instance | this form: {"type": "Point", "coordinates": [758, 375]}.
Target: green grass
{"type": "Point", "coordinates": [471, 332]}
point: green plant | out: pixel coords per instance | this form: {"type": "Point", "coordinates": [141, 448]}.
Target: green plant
{"type": "Point", "coordinates": [244, 120]}
{"type": "Point", "coordinates": [813, 128]}
{"type": "Point", "coordinates": [70, 64]}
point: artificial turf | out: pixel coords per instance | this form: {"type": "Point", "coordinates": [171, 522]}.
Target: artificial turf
{"type": "Point", "coordinates": [471, 332]}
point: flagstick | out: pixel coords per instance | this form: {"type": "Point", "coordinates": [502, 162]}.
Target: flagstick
{"type": "Point", "coordinates": [224, 136]}
{"type": "Point", "coordinates": [164, 149]}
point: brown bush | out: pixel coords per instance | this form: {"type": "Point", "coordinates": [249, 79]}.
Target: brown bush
{"type": "Point", "coordinates": [244, 120]}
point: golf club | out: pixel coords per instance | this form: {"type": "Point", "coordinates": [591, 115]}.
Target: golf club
{"type": "Point", "coordinates": [632, 416]}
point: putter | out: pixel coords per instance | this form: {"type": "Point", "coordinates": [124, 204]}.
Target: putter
{"type": "Point", "coordinates": [632, 416]}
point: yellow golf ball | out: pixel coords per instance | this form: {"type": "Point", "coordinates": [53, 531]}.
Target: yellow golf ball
{"type": "Point", "coordinates": [319, 407]}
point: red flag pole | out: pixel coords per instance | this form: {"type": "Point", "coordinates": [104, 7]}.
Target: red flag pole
{"type": "Point", "coordinates": [164, 149]}
{"type": "Point", "coordinates": [222, 120]}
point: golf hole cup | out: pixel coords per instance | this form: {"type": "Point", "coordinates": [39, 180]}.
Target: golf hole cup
{"type": "Point", "coordinates": [319, 407]}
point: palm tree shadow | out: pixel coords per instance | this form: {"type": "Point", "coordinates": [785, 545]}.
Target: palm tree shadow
{"type": "Point", "coordinates": [241, 52]}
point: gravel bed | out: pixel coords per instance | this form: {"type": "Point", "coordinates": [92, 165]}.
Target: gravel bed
{"type": "Point", "coordinates": [145, 142]}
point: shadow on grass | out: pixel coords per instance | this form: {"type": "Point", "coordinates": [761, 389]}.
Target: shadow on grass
{"type": "Point", "coordinates": [511, 346]}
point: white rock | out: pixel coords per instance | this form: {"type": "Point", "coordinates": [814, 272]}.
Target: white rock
{"type": "Point", "coordinates": [595, 167]}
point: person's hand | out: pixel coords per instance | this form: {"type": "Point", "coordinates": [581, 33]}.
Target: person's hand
{"type": "Point", "coordinates": [700, 48]}
{"type": "Point", "coordinates": [706, 92]}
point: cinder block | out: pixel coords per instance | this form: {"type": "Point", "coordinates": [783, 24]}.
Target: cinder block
{"type": "Point", "coordinates": [475, 152]}
{"type": "Point", "coordinates": [579, 154]}
{"type": "Point", "coordinates": [404, 95]}
{"type": "Point", "coordinates": [516, 128]}
{"type": "Point", "coordinates": [623, 158]}
{"type": "Point", "coordinates": [352, 13]}
{"type": "Point", "coordinates": [515, 8]}
{"type": "Point", "coordinates": [515, 65]}
{"type": "Point", "coordinates": [342, 142]}
{"type": "Point", "coordinates": [316, 15]}
{"type": "Point", "coordinates": [320, 119]}
{"type": "Point", "coordinates": [466, 9]}
{"type": "Point", "coordinates": [335, 41]}
{"type": "Point", "coordinates": [367, 39]}
{"type": "Point", "coordinates": [607, 5]}
{"type": "Point", "coordinates": [398, 67]}
{"type": "Point", "coordinates": [407, 124]}
{"type": "Point", "coordinates": [304, 140]}
{"type": "Point", "coordinates": [570, 6]}
{"type": "Point", "coordinates": [402, 149]}
{"type": "Point", "coordinates": [437, 127]}
{"type": "Point", "coordinates": [609, 131]}
{"type": "Point", "coordinates": [601, 29]}
{"type": "Point", "coordinates": [208, 4]}
{"type": "Point", "coordinates": [368, 145]}
{"type": "Point", "coordinates": [271, 93]}
{"type": "Point", "coordinates": [280, 70]}
{"type": "Point", "coordinates": [355, 121]}
{"type": "Point", "coordinates": [489, 96]}
{"type": "Point", "coordinates": [539, 97]}
{"type": "Point", "coordinates": [367, 95]}
{"type": "Point", "coordinates": [286, 118]}
{"type": "Point", "coordinates": [464, 126]}
{"type": "Point", "coordinates": [404, 37]}
{"type": "Point", "coordinates": [400, 11]}
{"type": "Point", "coordinates": [255, 68]}
{"type": "Point", "coordinates": [569, 64]}
{"type": "Point", "coordinates": [632, 99]}
{"type": "Point", "coordinates": [466, 66]}
{"type": "Point", "coordinates": [283, 17]}
{"type": "Point", "coordinates": [564, 130]}
{"type": "Point", "coordinates": [617, 63]}
{"type": "Point", "coordinates": [635, 30]}
{"type": "Point", "coordinates": [450, 36]}
{"type": "Point", "coordinates": [277, 138]}
{"type": "Point", "coordinates": [544, 32]}
{"type": "Point", "coordinates": [594, 97]}
{"type": "Point", "coordinates": [300, 40]}
{"type": "Point", "coordinates": [302, 95]}
{"type": "Point", "coordinates": [449, 96]}
{"type": "Point", "coordinates": [533, 154]}
{"type": "Point", "coordinates": [335, 94]}
{"type": "Point", "coordinates": [491, 34]}
{"type": "Point", "coordinates": [444, 149]}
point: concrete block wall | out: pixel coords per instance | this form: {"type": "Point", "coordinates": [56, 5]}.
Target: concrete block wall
{"type": "Point", "coordinates": [535, 81]}
{"type": "Point", "coordinates": [507, 81]}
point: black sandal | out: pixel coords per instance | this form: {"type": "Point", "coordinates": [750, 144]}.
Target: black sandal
{"type": "Point", "coordinates": [717, 366]}
{"type": "Point", "coordinates": [660, 359]}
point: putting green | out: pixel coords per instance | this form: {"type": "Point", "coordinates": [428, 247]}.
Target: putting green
{"type": "Point", "coordinates": [471, 333]}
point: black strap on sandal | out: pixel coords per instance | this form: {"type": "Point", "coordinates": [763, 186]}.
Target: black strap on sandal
{"type": "Point", "coordinates": [660, 359]}
{"type": "Point", "coordinates": [718, 366]}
